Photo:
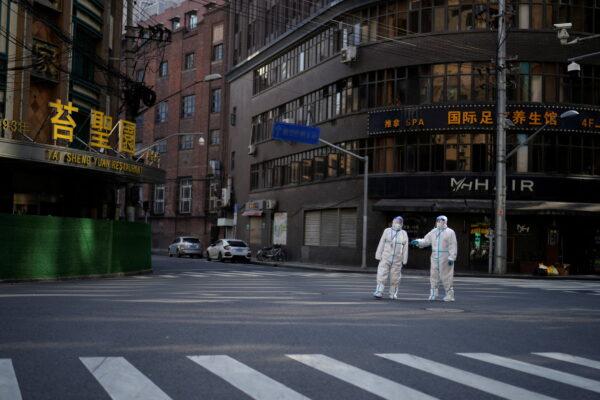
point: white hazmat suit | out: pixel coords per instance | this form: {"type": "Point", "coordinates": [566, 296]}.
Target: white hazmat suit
{"type": "Point", "coordinates": [443, 254]}
{"type": "Point", "coordinates": [392, 254]}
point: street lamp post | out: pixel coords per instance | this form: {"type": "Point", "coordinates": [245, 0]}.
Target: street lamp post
{"type": "Point", "coordinates": [500, 231]}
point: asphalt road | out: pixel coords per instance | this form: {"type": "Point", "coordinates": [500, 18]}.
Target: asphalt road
{"type": "Point", "coordinates": [205, 330]}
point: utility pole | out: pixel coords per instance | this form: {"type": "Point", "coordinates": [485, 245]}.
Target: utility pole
{"type": "Point", "coordinates": [500, 231]}
{"type": "Point", "coordinates": [129, 53]}
{"type": "Point", "coordinates": [130, 207]}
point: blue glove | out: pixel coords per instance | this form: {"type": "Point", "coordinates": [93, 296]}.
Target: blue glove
{"type": "Point", "coordinates": [450, 263]}
{"type": "Point", "coordinates": [414, 243]}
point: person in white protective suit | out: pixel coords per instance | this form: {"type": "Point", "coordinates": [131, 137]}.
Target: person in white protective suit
{"type": "Point", "coordinates": [443, 254]}
{"type": "Point", "coordinates": [392, 254]}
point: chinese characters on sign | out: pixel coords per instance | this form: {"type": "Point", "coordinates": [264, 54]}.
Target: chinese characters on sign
{"type": "Point", "coordinates": [126, 137]}
{"type": "Point", "coordinates": [481, 117]}
{"type": "Point", "coordinates": [62, 122]}
{"type": "Point", "coordinates": [63, 126]}
{"type": "Point", "coordinates": [470, 118]}
{"type": "Point", "coordinates": [100, 127]}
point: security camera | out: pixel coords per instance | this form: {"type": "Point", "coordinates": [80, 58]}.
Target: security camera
{"type": "Point", "coordinates": [562, 32]}
{"type": "Point", "coordinates": [574, 69]}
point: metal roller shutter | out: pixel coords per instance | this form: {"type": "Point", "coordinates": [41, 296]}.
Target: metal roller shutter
{"type": "Point", "coordinates": [348, 227]}
{"type": "Point", "coordinates": [312, 228]}
{"type": "Point", "coordinates": [329, 227]}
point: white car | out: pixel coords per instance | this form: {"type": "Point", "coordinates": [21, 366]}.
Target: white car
{"type": "Point", "coordinates": [228, 249]}
{"type": "Point", "coordinates": [186, 246]}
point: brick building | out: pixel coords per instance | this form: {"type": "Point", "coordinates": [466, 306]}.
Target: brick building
{"type": "Point", "coordinates": [186, 74]}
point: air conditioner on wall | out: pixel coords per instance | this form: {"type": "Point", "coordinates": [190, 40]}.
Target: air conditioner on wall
{"type": "Point", "coordinates": [348, 54]}
{"type": "Point", "coordinates": [251, 150]}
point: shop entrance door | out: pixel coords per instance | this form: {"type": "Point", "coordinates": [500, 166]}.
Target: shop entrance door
{"type": "Point", "coordinates": [479, 246]}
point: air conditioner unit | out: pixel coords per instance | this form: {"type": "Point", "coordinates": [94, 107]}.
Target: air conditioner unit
{"type": "Point", "coordinates": [251, 150]}
{"type": "Point", "coordinates": [225, 196]}
{"type": "Point", "coordinates": [348, 54]}
{"type": "Point", "coordinates": [219, 203]}
{"type": "Point", "coordinates": [213, 203]}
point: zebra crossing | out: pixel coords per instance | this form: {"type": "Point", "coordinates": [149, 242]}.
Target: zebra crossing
{"type": "Point", "coordinates": [122, 380]}
{"type": "Point", "coordinates": [474, 284]}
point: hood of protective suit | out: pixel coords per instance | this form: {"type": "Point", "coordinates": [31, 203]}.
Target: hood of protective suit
{"type": "Point", "coordinates": [397, 223]}
{"type": "Point", "coordinates": [441, 222]}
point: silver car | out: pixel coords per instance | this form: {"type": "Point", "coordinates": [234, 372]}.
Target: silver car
{"type": "Point", "coordinates": [186, 246]}
{"type": "Point", "coordinates": [228, 249]}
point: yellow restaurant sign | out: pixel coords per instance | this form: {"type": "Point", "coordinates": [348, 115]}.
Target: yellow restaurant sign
{"type": "Point", "coordinates": [63, 127]}
{"type": "Point", "coordinates": [92, 161]}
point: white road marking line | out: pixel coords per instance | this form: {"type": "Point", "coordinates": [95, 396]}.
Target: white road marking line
{"type": "Point", "coordinates": [9, 387]}
{"type": "Point", "coordinates": [479, 382]}
{"type": "Point", "coordinates": [367, 381]}
{"type": "Point", "coordinates": [551, 374]}
{"type": "Point", "coordinates": [586, 362]}
{"type": "Point", "coordinates": [253, 383]}
{"type": "Point", "coordinates": [121, 380]}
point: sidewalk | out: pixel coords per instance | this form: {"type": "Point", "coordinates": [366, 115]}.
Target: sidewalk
{"type": "Point", "coordinates": [417, 271]}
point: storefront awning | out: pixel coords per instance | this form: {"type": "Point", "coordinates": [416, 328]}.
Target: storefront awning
{"type": "Point", "coordinates": [125, 170]}
{"type": "Point", "coordinates": [485, 206]}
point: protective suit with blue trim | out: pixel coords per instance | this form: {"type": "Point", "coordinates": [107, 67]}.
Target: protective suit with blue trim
{"type": "Point", "coordinates": [392, 254]}
{"type": "Point", "coordinates": [443, 254]}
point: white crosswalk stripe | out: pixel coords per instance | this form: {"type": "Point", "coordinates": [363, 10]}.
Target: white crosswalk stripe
{"type": "Point", "coordinates": [121, 380]}
{"type": "Point", "coordinates": [367, 381]}
{"type": "Point", "coordinates": [547, 373]}
{"type": "Point", "coordinates": [586, 362]}
{"type": "Point", "coordinates": [248, 380]}
{"type": "Point", "coordinates": [9, 387]}
{"type": "Point", "coordinates": [479, 382]}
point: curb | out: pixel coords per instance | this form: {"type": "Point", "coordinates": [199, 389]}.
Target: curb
{"type": "Point", "coordinates": [79, 277]}
{"type": "Point", "coordinates": [425, 272]}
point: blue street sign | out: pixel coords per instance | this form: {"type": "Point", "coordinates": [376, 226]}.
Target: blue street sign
{"type": "Point", "coordinates": [296, 133]}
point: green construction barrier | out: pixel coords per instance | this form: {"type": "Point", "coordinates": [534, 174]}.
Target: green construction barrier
{"type": "Point", "coordinates": [36, 247]}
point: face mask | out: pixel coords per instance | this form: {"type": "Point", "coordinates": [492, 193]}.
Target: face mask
{"type": "Point", "coordinates": [396, 226]}
{"type": "Point", "coordinates": [439, 224]}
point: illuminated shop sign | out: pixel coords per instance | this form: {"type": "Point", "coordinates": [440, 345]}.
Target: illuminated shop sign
{"type": "Point", "coordinates": [481, 184]}
{"type": "Point", "coordinates": [63, 126]}
{"type": "Point", "coordinates": [90, 160]}
{"type": "Point", "coordinates": [524, 117]}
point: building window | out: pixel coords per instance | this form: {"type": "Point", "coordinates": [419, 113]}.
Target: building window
{"type": "Point", "coordinates": [188, 105]}
{"type": "Point", "coordinates": [215, 137]}
{"type": "Point", "coordinates": [214, 167]}
{"type": "Point", "coordinates": [191, 20]}
{"type": "Point", "coordinates": [188, 62]}
{"type": "Point", "coordinates": [159, 199]}
{"type": "Point", "coordinates": [330, 228]}
{"type": "Point", "coordinates": [232, 160]}
{"type": "Point", "coordinates": [139, 75]}
{"type": "Point", "coordinates": [186, 142]}
{"type": "Point", "coordinates": [161, 147]}
{"type": "Point", "coordinates": [161, 112]}
{"type": "Point", "coordinates": [175, 24]}
{"type": "Point", "coordinates": [217, 42]}
{"type": "Point", "coordinates": [185, 195]}
{"type": "Point", "coordinates": [163, 69]}
{"type": "Point", "coordinates": [215, 105]}
{"type": "Point", "coordinates": [217, 54]}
